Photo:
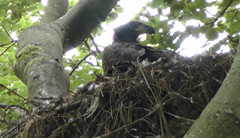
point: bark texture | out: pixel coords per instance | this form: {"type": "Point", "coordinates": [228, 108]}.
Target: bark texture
{"type": "Point", "coordinates": [54, 10]}
{"type": "Point", "coordinates": [41, 47]}
{"type": "Point", "coordinates": [220, 119]}
{"type": "Point", "coordinates": [78, 23]}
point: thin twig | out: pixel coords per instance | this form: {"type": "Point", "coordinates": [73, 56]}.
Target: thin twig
{"type": "Point", "coordinates": [6, 29]}
{"type": "Point", "coordinates": [8, 48]}
{"type": "Point", "coordinates": [221, 14]}
{"type": "Point", "coordinates": [89, 54]}
{"type": "Point", "coordinates": [89, 49]}
{"type": "Point", "coordinates": [94, 44]}
{"type": "Point", "coordinates": [179, 117]}
{"type": "Point", "coordinates": [16, 106]}
{"type": "Point", "coordinates": [86, 43]}
{"type": "Point", "coordinates": [145, 78]}
{"type": "Point", "coordinates": [1, 85]}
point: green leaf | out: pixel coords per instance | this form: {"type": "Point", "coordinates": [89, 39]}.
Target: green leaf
{"type": "Point", "coordinates": [156, 3]}
{"type": "Point", "coordinates": [176, 7]}
{"type": "Point", "coordinates": [87, 77]}
{"type": "Point", "coordinates": [113, 15]}
{"type": "Point", "coordinates": [211, 34]}
{"type": "Point", "coordinates": [4, 38]}
{"type": "Point", "coordinates": [200, 3]}
{"type": "Point", "coordinates": [16, 16]}
{"type": "Point", "coordinates": [235, 27]}
{"type": "Point", "coordinates": [17, 84]}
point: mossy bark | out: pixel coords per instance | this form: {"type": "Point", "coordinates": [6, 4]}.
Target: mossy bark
{"type": "Point", "coordinates": [41, 47]}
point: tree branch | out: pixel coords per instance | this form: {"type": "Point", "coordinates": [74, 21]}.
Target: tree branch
{"type": "Point", "coordinates": [41, 47]}
{"type": "Point", "coordinates": [78, 23]}
{"type": "Point", "coordinates": [221, 116]}
{"type": "Point", "coordinates": [54, 10]}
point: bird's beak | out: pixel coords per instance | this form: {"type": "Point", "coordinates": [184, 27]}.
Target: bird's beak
{"type": "Point", "coordinates": [145, 29]}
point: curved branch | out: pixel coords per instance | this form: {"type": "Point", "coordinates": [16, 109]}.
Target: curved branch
{"type": "Point", "coordinates": [78, 23]}
{"type": "Point", "coordinates": [41, 47]}
{"type": "Point", "coordinates": [54, 10]}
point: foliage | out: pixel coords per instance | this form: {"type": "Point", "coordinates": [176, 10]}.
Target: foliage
{"type": "Point", "coordinates": [163, 15]}
{"type": "Point", "coordinates": [14, 17]}
{"type": "Point", "coordinates": [168, 14]}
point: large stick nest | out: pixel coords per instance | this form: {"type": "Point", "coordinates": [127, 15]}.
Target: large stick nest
{"type": "Point", "coordinates": [144, 101]}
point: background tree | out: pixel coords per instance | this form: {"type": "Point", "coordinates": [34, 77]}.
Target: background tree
{"type": "Point", "coordinates": [18, 15]}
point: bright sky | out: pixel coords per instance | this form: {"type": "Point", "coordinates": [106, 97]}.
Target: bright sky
{"type": "Point", "coordinates": [189, 47]}
{"type": "Point", "coordinates": [130, 9]}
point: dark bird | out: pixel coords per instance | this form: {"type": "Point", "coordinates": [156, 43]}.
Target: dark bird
{"type": "Point", "coordinates": [125, 48]}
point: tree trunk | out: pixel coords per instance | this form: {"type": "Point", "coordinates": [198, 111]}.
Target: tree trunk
{"type": "Point", "coordinates": [41, 47]}
{"type": "Point", "coordinates": [220, 119]}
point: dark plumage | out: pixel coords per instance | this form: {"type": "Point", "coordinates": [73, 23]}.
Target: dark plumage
{"type": "Point", "coordinates": [125, 49]}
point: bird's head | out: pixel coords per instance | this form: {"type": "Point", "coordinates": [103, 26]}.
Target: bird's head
{"type": "Point", "coordinates": [130, 31]}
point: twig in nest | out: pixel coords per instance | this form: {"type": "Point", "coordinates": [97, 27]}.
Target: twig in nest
{"type": "Point", "coordinates": [156, 108]}
{"type": "Point", "coordinates": [179, 117]}
{"type": "Point", "coordinates": [140, 68]}
{"type": "Point", "coordinates": [186, 98]}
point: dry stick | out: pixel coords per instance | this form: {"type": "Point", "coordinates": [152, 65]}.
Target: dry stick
{"type": "Point", "coordinates": [17, 106]}
{"type": "Point", "coordinates": [147, 81]}
{"type": "Point", "coordinates": [89, 54]}
{"type": "Point", "coordinates": [11, 130]}
{"type": "Point", "coordinates": [179, 117]}
{"type": "Point", "coordinates": [156, 108]}
{"type": "Point", "coordinates": [161, 113]}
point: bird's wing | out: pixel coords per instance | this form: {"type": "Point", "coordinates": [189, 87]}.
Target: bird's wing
{"type": "Point", "coordinates": [120, 53]}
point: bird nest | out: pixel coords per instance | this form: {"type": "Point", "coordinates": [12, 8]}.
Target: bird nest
{"type": "Point", "coordinates": [144, 101]}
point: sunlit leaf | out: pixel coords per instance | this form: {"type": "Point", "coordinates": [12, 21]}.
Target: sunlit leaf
{"type": "Point", "coordinates": [4, 38]}
{"type": "Point", "coordinates": [211, 34]}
